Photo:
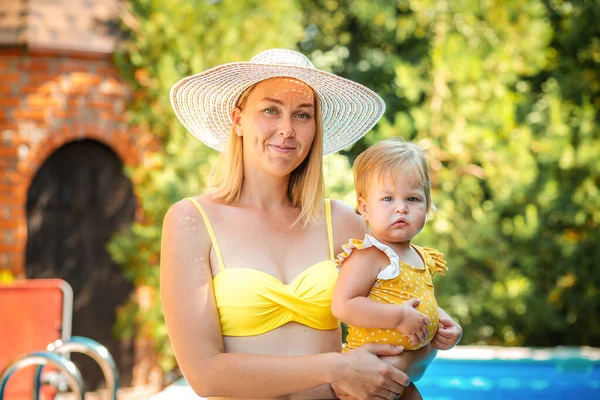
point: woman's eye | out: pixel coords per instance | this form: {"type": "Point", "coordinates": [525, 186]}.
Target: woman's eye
{"type": "Point", "coordinates": [270, 110]}
{"type": "Point", "coordinates": [303, 116]}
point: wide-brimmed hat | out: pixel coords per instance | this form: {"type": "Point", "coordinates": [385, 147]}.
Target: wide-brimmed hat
{"type": "Point", "coordinates": [204, 102]}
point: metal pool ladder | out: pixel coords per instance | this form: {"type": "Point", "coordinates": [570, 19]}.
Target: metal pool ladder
{"type": "Point", "coordinates": [57, 356]}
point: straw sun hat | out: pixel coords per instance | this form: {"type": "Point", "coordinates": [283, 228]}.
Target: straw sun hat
{"type": "Point", "coordinates": [204, 102]}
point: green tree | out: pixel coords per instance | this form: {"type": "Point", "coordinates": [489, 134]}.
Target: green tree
{"type": "Point", "coordinates": [504, 96]}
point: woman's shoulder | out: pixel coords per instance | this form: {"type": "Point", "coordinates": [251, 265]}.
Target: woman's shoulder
{"type": "Point", "coordinates": [343, 213]}
{"type": "Point", "coordinates": [185, 216]}
{"type": "Point", "coordinates": [347, 224]}
{"type": "Point", "coordinates": [190, 206]}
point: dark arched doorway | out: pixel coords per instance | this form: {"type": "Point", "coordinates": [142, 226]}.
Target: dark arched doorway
{"type": "Point", "coordinates": [76, 202]}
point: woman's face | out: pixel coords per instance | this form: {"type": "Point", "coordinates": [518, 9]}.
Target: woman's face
{"type": "Point", "coordinates": [277, 125]}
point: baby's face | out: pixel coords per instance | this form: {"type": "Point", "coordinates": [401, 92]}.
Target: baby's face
{"type": "Point", "coordinates": [395, 207]}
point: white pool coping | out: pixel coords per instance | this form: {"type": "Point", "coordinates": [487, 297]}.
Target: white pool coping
{"type": "Point", "coordinates": [520, 353]}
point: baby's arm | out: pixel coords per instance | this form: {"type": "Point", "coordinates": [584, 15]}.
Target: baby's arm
{"type": "Point", "coordinates": [351, 305]}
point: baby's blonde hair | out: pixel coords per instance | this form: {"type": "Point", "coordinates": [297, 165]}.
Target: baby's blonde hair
{"type": "Point", "coordinates": [391, 157]}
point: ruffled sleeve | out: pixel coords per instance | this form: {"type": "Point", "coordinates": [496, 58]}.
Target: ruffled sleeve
{"type": "Point", "coordinates": [435, 263]}
{"type": "Point", "coordinates": [389, 272]}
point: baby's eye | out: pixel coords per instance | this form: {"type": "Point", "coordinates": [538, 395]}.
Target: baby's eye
{"type": "Point", "coordinates": [412, 198]}
{"type": "Point", "coordinates": [387, 198]}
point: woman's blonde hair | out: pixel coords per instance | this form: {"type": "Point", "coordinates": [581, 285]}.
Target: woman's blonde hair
{"type": "Point", "coordinates": [392, 157]}
{"type": "Point", "coordinates": [305, 189]}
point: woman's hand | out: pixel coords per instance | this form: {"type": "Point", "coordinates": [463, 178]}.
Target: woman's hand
{"type": "Point", "coordinates": [448, 333]}
{"type": "Point", "coordinates": [414, 362]}
{"type": "Point", "coordinates": [364, 376]}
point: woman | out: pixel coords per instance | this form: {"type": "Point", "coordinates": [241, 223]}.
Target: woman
{"type": "Point", "coordinates": [247, 270]}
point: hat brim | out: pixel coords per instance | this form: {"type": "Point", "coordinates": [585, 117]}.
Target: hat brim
{"type": "Point", "coordinates": [204, 102]}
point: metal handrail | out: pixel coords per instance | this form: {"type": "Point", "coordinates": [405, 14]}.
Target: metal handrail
{"type": "Point", "coordinates": [45, 358]}
{"type": "Point", "coordinates": [91, 348]}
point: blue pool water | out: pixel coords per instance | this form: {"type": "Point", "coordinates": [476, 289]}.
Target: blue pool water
{"type": "Point", "coordinates": [572, 378]}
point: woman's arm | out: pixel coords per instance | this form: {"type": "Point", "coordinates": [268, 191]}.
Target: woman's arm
{"type": "Point", "coordinates": [414, 362]}
{"type": "Point", "coordinates": [195, 332]}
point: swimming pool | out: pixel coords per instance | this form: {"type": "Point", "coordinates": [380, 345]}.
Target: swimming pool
{"type": "Point", "coordinates": [516, 374]}
{"type": "Point", "coordinates": [490, 373]}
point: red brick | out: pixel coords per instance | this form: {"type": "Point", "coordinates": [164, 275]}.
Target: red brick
{"type": "Point", "coordinates": [9, 101]}
{"type": "Point", "coordinates": [9, 248]}
{"type": "Point", "coordinates": [17, 211]}
{"type": "Point", "coordinates": [6, 175]}
{"type": "Point", "coordinates": [30, 65]}
{"type": "Point", "coordinates": [6, 89]}
{"type": "Point", "coordinates": [103, 105]}
{"type": "Point", "coordinates": [112, 70]}
{"type": "Point", "coordinates": [9, 223]}
{"type": "Point", "coordinates": [85, 128]}
{"type": "Point", "coordinates": [17, 140]}
{"type": "Point", "coordinates": [62, 114]}
{"type": "Point", "coordinates": [8, 126]}
{"type": "Point", "coordinates": [12, 52]}
{"type": "Point", "coordinates": [112, 87]}
{"type": "Point", "coordinates": [17, 260]}
{"type": "Point", "coordinates": [45, 88]}
{"type": "Point", "coordinates": [76, 90]}
{"type": "Point", "coordinates": [38, 79]}
{"type": "Point", "coordinates": [8, 152]}
{"type": "Point", "coordinates": [84, 79]}
{"type": "Point", "coordinates": [74, 102]}
{"type": "Point", "coordinates": [36, 115]}
{"type": "Point", "coordinates": [73, 66]}
{"type": "Point", "coordinates": [42, 101]}
{"type": "Point", "coordinates": [8, 166]}
{"type": "Point", "coordinates": [110, 116]}
{"type": "Point", "coordinates": [11, 77]}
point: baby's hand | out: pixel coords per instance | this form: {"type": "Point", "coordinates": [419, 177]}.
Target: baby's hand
{"type": "Point", "coordinates": [414, 324]}
{"type": "Point", "coordinates": [448, 333]}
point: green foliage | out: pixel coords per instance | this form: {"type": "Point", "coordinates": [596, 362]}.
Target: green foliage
{"type": "Point", "coordinates": [503, 95]}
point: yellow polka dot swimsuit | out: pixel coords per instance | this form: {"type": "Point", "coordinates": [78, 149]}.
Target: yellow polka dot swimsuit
{"type": "Point", "coordinates": [395, 284]}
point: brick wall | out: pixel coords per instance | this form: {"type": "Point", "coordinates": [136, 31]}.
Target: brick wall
{"type": "Point", "coordinates": [46, 100]}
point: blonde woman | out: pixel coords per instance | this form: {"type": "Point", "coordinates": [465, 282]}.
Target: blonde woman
{"type": "Point", "coordinates": [247, 269]}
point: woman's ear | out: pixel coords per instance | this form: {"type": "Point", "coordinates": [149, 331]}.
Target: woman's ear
{"type": "Point", "coordinates": [236, 118]}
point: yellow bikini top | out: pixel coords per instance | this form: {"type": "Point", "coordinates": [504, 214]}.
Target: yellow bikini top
{"type": "Point", "coordinates": [252, 302]}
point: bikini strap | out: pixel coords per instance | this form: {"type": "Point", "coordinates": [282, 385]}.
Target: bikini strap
{"type": "Point", "coordinates": [329, 227]}
{"type": "Point", "coordinates": [211, 233]}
